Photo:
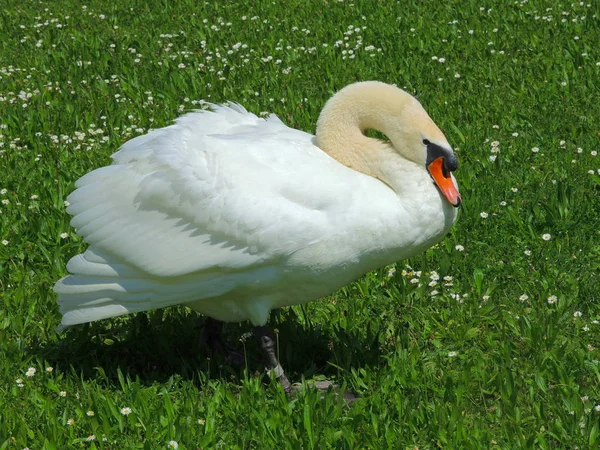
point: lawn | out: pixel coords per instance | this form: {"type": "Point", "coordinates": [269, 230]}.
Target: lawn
{"type": "Point", "coordinates": [491, 339]}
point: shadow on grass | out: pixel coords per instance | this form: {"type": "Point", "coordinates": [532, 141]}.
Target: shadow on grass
{"type": "Point", "coordinates": [158, 345]}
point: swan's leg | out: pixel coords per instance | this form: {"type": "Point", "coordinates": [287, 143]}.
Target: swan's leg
{"type": "Point", "coordinates": [212, 333]}
{"type": "Point", "coordinates": [212, 337]}
{"type": "Point", "coordinates": [268, 347]}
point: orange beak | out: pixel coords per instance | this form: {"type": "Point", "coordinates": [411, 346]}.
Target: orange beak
{"type": "Point", "coordinates": [443, 182]}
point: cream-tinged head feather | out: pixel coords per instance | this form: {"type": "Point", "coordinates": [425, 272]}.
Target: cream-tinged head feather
{"type": "Point", "coordinates": [382, 107]}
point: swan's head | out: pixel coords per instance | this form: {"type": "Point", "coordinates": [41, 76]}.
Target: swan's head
{"type": "Point", "coordinates": [400, 116]}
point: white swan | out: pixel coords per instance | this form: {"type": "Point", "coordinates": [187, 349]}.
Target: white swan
{"type": "Point", "coordinates": [234, 215]}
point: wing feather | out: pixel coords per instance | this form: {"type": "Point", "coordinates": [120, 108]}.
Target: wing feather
{"type": "Point", "coordinates": [211, 191]}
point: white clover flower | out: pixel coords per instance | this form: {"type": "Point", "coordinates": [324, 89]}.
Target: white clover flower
{"type": "Point", "coordinates": [527, 252]}
{"type": "Point", "coordinates": [5, 242]}
{"type": "Point", "coordinates": [535, 149]}
{"type": "Point", "coordinates": [577, 314]}
{"type": "Point", "coordinates": [502, 203]}
{"type": "Point", "coordinates": [173, 445]}
{"type": "Point", "coordinates": [459, 248]}
{"type": "Point", "coordinates": [492, 158]}
{"type": "Point", "coordinates": [452, 354]}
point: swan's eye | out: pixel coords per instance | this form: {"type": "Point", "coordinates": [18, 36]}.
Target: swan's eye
{"type": "Point", "coordinates": [426, 141]}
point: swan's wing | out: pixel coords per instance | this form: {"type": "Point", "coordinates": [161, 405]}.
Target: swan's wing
{"type": "Point", "coordinates": [217, 190]}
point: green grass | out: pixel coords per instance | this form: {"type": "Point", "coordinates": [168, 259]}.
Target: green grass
{"type": "Point", "coordinates": [478, 365]}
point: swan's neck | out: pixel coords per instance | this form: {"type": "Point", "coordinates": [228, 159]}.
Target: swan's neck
{"type": "Point", "coordinates": [382, 107]}
{"type": "Point", "coordinates": [341, 127]}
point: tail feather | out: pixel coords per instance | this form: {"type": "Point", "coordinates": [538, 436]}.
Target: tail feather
{"type": "Point", "coordinates": [81, 265]}
{"type": "Point", "coordinates": [100, 288]}
{"type": "Point", "coordinates": [83, 284]}
{"type": "Point", "coordinates": [83, 315]}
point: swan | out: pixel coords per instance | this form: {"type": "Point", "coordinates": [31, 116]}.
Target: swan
{"type": "Point", "coordinates": [234, 215]}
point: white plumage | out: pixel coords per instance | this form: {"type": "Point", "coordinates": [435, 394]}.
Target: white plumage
{"type": "Point", "coordinates": [234, 215]}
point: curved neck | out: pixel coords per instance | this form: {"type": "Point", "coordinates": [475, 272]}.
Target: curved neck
{"type": "Point", "coordinates": [369, 105]}
{"type": "Point", "coordinates": [342, 122]}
